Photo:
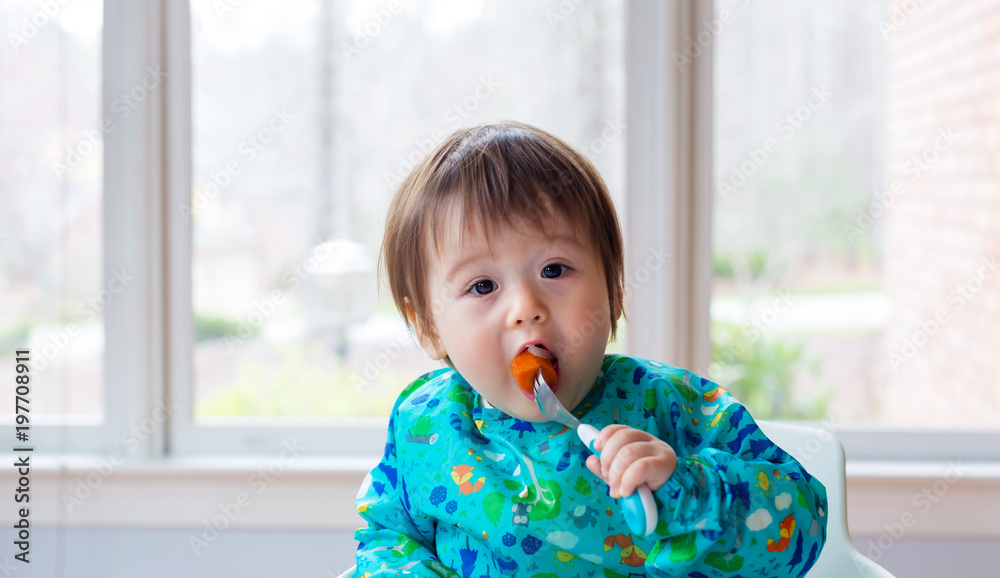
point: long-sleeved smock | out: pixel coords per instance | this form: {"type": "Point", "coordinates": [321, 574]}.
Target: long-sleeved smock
{"type": "Point", "coordinates": [463, 489]}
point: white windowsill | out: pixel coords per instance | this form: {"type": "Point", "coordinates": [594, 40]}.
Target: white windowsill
{"type": "Point", "coordinates": [318, 493]}
{"type": "Point", "coordinates": [927, 499]}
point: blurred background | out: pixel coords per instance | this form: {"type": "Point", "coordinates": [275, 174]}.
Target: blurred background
{"type": "Point", "coordinates": [855, 243]}
{"type": "Point", "coordinates": [829, 250]}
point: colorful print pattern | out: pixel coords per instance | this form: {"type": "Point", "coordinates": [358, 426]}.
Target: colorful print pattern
{"type": "Point", "coordinates": [466, 490]}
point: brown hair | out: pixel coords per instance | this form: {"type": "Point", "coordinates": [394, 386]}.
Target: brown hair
{"type": "Point", "coordinates": [507, 172]}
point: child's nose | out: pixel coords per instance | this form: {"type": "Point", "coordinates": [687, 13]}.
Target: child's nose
{"type": "Point", "coordinates": [526, 307]}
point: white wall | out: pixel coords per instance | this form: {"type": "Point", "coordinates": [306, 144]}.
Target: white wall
{"type": "Point", "coordinates": [132, 553]}
{"type": "Point", "coordinates": [129, 553]}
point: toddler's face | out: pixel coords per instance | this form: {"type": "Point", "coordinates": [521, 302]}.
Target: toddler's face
{"type": "Point", "coordinates": [537, 287]}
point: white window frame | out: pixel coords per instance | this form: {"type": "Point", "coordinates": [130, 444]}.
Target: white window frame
{"type": "Point", "coordinates": [148, 359]}
{"type": "Point", "coordinates": [669, 205]}
{"type": "Point", "coordinates": [222, 436]}
{"type": "Point", "coordinates": [133, 329]}
{"type": "Point", "coordinates": [133, 239]}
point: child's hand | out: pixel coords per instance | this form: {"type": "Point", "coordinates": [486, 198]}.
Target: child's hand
{"type": "Point", "coordinates": [630, 457]}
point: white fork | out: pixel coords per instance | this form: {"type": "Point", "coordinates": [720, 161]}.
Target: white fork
{"type": "Point", "coordinates": [639, 508]}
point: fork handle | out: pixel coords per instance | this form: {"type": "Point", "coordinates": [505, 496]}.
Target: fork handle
{"type": "Point", "coordinates": [639, 508]}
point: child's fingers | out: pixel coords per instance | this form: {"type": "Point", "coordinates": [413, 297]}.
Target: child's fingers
{"type": "Point", "coordinates": [611, 440]}
{"type": "Point", "coordinates": [649, 469]}
{"type": "Point", "coordinates": [623, 463]}
{"type": "Point", "coordinates": [622, 448]}
{"type": "Point", "coordinates": [601, 445]}
{"type": "Point", "coordinates": [594, 465]}
{"type": "Point", "coordinates": [607, 432]}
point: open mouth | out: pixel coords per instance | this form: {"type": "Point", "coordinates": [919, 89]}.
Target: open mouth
{"type": "Point", "coordinates": [541, 351]}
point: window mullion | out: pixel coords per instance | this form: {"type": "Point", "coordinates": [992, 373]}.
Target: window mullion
{"type": "Point", "coordinates": [134, 77]}
{"type": "Point", "coordinates": [668, 207]}
{"type": "Point", "coordinates": [177, 223]}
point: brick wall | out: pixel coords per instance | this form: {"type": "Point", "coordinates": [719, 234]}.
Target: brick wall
{"type": "Point", "coordinates": [942, 230]}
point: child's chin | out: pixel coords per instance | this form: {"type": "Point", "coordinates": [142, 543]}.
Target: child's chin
{"type": "Point", "coordinates": [527, 410]}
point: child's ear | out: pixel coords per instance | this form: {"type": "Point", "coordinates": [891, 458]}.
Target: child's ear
{"type": "Point", "coordinates": [429, 343]}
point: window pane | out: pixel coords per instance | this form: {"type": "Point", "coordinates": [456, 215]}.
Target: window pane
{"type": "Point", "coordinates": [856, 242]}
{"type": "Point", "coordinates": [51, 183]}
{"type": "Point", "coordinates": [307, 115]}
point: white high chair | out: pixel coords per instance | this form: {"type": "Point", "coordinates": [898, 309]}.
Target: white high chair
{"type": "Point", "coordinates": [822, 454]}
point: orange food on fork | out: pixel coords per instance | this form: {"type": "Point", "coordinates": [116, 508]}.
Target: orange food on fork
{"type": "Point", "coordinates": [525, 367]}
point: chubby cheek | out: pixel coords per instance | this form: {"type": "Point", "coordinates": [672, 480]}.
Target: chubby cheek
{"type": "Point", "coordinates": [590, 329]}
{"type": "Point", "coordinates": [590, 325]}
{"type": "Point", "coordinates": [476, 354]}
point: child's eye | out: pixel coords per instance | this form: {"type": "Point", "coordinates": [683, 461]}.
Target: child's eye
{"type": "Point", "coordinates": [486, 285]}
{"type": "Point", "coordinates": [554, 267]}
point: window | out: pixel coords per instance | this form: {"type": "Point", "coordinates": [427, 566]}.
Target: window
{"type": "Point", "coordinates": [305, 117]}
{"type": "Point", "coordinates": [856, 252]}
{"type": "Point", "coordinates": [253, 154]}
{"type": "Point", "coordinates": [51, 188]}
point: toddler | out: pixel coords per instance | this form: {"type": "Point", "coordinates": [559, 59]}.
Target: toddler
{"type": "Point", "coordinates": [505, 237]}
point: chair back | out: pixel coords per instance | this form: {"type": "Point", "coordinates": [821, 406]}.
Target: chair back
{"type": "Point", "coordinates": [822, 455]}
